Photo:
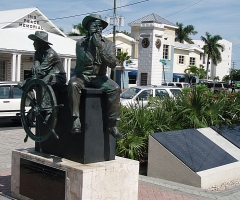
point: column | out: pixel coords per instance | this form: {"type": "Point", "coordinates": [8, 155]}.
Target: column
{"type": "Point", "coordinates": [13, 68]}
{"type": "Point", "coordinates": [65, 64]}
{"type": "Point", "coordinates": [18, 70]}
{"type": "Point", "coordinates": [69, 69]}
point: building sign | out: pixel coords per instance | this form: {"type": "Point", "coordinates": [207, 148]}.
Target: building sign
{"type": "Point", "coordinates": [30, 22]}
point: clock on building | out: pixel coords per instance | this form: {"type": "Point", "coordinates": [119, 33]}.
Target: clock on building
{"type": "Point", "coordinates": [158, 43]}
{"type": "Point", "coordinates": [145, 42]}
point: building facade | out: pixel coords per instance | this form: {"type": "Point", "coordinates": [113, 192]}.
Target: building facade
{"type": "Point", "coordinates": [16, 49]}
{"type": "Point", "coordinates": [186, 55]}
{"type": "Point", "coordinates": [155, 37]}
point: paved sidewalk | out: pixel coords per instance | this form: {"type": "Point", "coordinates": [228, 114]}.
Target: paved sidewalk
{"type": "Point", "coordinates": [149, 188]}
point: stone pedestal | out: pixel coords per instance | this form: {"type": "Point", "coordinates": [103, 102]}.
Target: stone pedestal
{"type": "Point", "coordinates": [92, 144]}
{"type": "Point", "coordinates": [113, 180]}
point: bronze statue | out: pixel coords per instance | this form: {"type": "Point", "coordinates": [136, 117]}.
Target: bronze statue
{"type": "Point", "coordinates": [94, 54]}
{"type": "Point", "coordinates": [47, 66]}
{"type": "Point", "coordinates": [46, 61]}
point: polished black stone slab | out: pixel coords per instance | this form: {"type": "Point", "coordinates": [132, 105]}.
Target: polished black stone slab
{"type": "Point", "coordinates": [230, 132]}
{"type": "Point", "coordinates": [194, 149]}
{"type": "Point", "coordinates": [41, 182]}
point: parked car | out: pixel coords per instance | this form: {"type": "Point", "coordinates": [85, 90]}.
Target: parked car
{"type": "Point", "coordinates": [217, 86]}
{"type": "Point", "coordinates": [178, 84]}
{"type": "Point", "coordinates": [10, 100]}
{"type": "Point", "coordinates": [139, 95]}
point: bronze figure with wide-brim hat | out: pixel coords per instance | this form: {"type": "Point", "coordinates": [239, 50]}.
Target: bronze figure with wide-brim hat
{"type": "Point", "coordinates": [39, 35]}
{"type": "Point", "coordinates": [92, 17]}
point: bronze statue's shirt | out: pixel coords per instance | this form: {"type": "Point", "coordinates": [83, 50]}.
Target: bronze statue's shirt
{"type": "Point", "coordinates": [92, 62]}
{"type": "Point", "coordinates": [51, 64]}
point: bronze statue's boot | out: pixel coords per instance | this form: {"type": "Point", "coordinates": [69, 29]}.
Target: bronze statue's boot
{"type": "Point", "coordinates": [114, 132]}
{"type": "Point", "coordinates": [76, 126]}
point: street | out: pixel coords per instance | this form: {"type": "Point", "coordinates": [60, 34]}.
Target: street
{"type": "Point", "coordinates": [9, 123]}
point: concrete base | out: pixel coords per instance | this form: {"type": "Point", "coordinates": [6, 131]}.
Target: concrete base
{"type": "Point", "coordinates": [115, 179]}
{"type": "Point", "coordinates": [164, 165]}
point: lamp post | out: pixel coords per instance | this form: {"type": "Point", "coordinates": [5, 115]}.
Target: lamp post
{"type": "Point", "coordinates": [163, 61]}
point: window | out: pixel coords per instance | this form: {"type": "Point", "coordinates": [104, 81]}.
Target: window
{"type": "Point", "coordinates": [17, 93]}
{"type": "Point", "coordinates": [143, 80]}
{"type": "Point", "coordinates": [192, 61]}
{"type": "Point", "coordinates": [132, 79]}
{"type": "Point", "coordinates": [175, 92]}
{"type": "Point", "coordinates": [4, 92]}
{"type": "Point", "coordinates": [161, 93]}
{"type": "Point", "coordinates": [181, 60]}
{"type": "Point", "coordinates": [119, 50]}
{"type": "Point", "coordinates": [165, 51]}
{"type": "Point", "coordinates": [179, 85]}
{"type": "Point", "coordinates": [144, 95]}
{"type": "Point", "coordinates": [2, 71]}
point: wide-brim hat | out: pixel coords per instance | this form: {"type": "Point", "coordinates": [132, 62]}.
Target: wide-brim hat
{"type": "Point", "coordinates": [39, 35]}
{"type": "Point", "coordinates": [92, 17]}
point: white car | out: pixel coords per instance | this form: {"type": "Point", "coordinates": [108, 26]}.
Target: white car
{"type": "Point", "coordinates": [139, 95]}
{"type": "Point", "coordinates": [10, 100]}
{"type": "Point", "coordinates": [178, 84]}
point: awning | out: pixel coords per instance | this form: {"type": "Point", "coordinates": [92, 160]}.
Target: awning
{"type": "Point", "coordinates": [132, 73]}
{"type": "Point", "coordinates": [176, 76]}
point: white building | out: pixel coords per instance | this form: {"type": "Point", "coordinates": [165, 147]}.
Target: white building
{"type": "Point", "coordinates": [223, 68]}
{"type": "Point", "coordinates": [186, 55]}
{"type": "Point", "coordinates": [16, 49]}
{"type": "Point", "coordinates": [156, 42]}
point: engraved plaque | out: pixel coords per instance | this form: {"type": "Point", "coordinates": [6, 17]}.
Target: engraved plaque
{"type": "Point", "coordinates": [231, 133]}
{"type": "Point", "coordinates": [41, 182]}
{"type": "Point", "coordinates": [194, 149]}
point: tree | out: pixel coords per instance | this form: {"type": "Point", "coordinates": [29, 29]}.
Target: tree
{"type": "Point", "coordinates": [124, 32]}
{"type": "Point", "coordinates": [226, 78]}
{"type": "Point", "coordinates": [211, 48]}
{"type": "Point", "coordinates": [79, 27]}
{"type": "Point", "coordinates": [122, 57]}
{"type": "Point", "coordinates": [191, 70]}
{"type": "Point", "coordinates": [201, 72]}
{"type": "Point", "coordinates": [182, 33]}
{"type": "Point", "coordinates": [235, 74]}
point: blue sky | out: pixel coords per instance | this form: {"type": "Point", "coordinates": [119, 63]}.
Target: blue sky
{"type": "Point", "coordinates": [218, 17]}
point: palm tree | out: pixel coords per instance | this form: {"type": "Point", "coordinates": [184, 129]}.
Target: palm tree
{"type": "Point", "coordinates": [122, 57]}
{"type": "Point", "coordinates": [182, 33]}
{"type": "Point", "coordinates": [211, 48]}
{"type": "Point", "coordinates": [79, 27]}
{"type": "Point", "coordinates": [201, 72]}
{"type": "Point", "coordinates": [191, 70]}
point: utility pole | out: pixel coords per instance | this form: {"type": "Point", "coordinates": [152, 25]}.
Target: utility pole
{"type": "Point", "coordinates": [116, 21]}
{"type": "Point", "coordinates": [233, 63]}
{"type": "Point", "coordinates": [114, 34]}
{"type": "Point", "coordinates": [113, 71]}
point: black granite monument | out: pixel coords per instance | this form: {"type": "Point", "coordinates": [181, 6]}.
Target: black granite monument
{"type": "Point", "coordinates": [93, 144]}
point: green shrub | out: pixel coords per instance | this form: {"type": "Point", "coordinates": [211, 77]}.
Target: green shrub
{"type": "Point", "coordinates": [195, 107]}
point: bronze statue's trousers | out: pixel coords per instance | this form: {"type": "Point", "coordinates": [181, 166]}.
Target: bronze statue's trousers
{"type": "Point", "coordinates": [107, 85]}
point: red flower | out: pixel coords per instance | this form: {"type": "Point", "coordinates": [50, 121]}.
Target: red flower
{"type": "Point", "coordinates": [215, 96]}
{"type": "Point", "coordinates": [231, 95]}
